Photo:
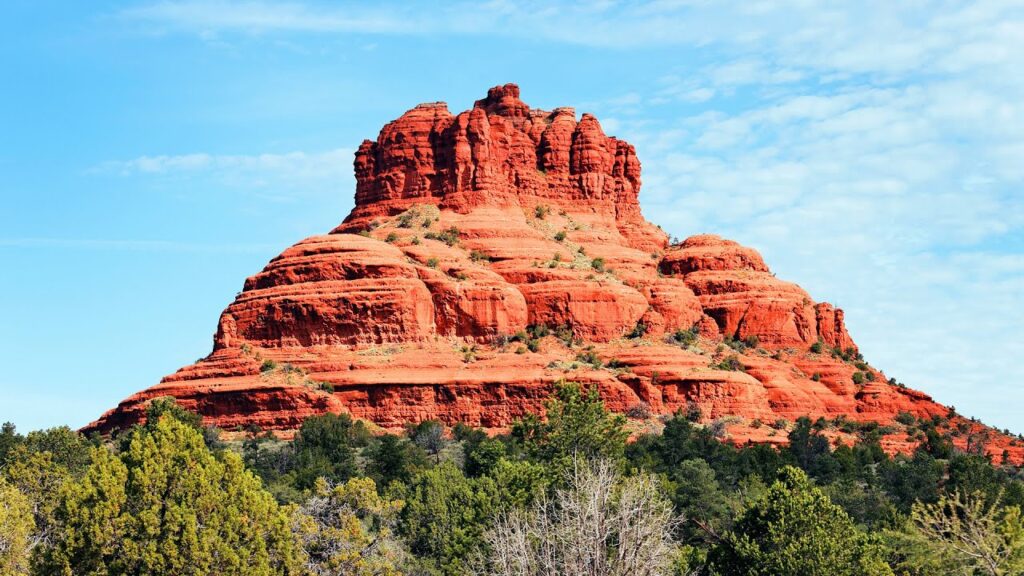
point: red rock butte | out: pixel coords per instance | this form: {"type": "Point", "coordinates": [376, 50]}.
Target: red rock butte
{"type": "Point", "coordinates": [470, 228]}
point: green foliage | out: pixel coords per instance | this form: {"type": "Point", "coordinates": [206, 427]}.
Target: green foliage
{"type": "Point", "coordinates": [638, 331]}
{"type": "Point", "coordinates": [812, 451]}
{"type": "Point", "coordinates": [67, 448]}
{"type": "Point", "coordinates": [560, 236]}
{"type": "Point", "coordinates": [540, 211]}
{"type": "Point", "coordinates": [40, 478]}
{"type": "Point", "coordinates": [428, 435]}
{"type": "Point", "coordinates": [518, 482]}
{"type": "Point", "coordinates": [961, 534]}
{"type": "Point", "coordinates": [482, 456]}
{"type": "Point", "coordinates": [323, 449]}
{"type": "Point", "coordinates": [9, 438]}
{"type": "Point", "coordinates": [175, 500]}
{"type": "Point", "coordinates": [169, 506]}
{"type": "Point", "coordinates": [684, 338]}
{"type": "Point", "coordinates": [348, 529]}
{"type": "Point", "coordinates": [160, 407]}
{"type": "Point", "coordinates": [449, 236]}
{"type": "Point", "coordinates": [479, 256]}
{"type": "Point", "coordinates": [445, 516]}
{"type": "Point", "coordinates": [432, 262]}
{"type": "Point", "coordinates": [394, 459]}
{"type": "Point", "coordinates": [268, 365]}
{"type": "Point", "coordinates": [699, 498]}
{"type": "Point", "coordinates": [858, 378]}
{"type": "Point", "coordinates": [17, 528]}
{"type": "Point", "coordinates": [597, 264]}
{"type": "Point", "coordinates": [405, 219]}
{"type": "Point", "coordinates": [795, 529]}
{"type": "Point", "coordinates": [906, 418]}
{"type": "Point", "coordinates": [731, 363]}
{"type": "Point", "coordinates": [578, 426]}
{"type": "Point", "coordinates": [590, 357]}
{"type": "Point", "coordinates": [818, 347]}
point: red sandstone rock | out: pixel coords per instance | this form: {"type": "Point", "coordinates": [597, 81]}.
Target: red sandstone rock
{"type": "Point", "coordinates": [473, 226]}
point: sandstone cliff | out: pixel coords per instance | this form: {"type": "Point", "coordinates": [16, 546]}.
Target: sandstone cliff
{"type": "Point", "coordinates": [495, 252]}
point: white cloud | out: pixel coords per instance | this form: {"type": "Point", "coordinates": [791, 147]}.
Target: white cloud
{"type": "Point", "coordinates": [133, 245]}
{"type": "Point", "coordinates": [259, 17]}
{"type": "Point", "coordinates": [301, 172]}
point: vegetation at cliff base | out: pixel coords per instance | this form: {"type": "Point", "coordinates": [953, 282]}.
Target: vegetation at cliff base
{"type": "Point", "coordinates": [569, 493]}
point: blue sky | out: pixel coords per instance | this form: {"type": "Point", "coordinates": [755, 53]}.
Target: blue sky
{"type": "Point", "coordinates": [154, 154]}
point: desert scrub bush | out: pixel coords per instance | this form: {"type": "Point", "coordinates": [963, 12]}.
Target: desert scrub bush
{"type": "Point", "coordinates": [730, 363]}
{"type": "Point", "coordinates": [780, 424]}
{"type": "Point", "coordinates": [641, 411]}
{"type": "Point", "coordinates": [818, 347]}
{"type": "Point", "coordinates": [693, 412]}
{"type": "Point", "coordinates": [392, 237]}
{"type": "Point", "coordinates": [683, 338]}
{"type": "Point", "coordinates": [906, 418]}
{"type": "Point", "coordinates": [449, 236]}
{"type": "Point", "coordinates": [432, 262]}
{"type": "Point", "coordinates": [405, 219]}
{"type": "Point", "coordinates": [616, 364]}
{"type": "Point", "coordinates": [560, 236]}
{"type": "Point", "coordinates": [638, 331]}
{"type": "Point", "coordinates": [597, 264]}
{"type": "Point", "coordinates": [479, 256]}
{"type": "Point", "coordinates": [565, 335]}
{"type": "Point", "coordinates": [590, 357]}
{"type": "Point", "coordinates": [268, 365]}
{"type": "Point", "coordinates": [541, 211]}
{"type": "Point", "coordinates": [858, 378]}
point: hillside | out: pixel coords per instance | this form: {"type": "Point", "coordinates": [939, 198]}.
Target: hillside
{"type": "Point", "coordinates": [498, 251]}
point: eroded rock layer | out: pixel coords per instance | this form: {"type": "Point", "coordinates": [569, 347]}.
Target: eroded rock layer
{"type": "Point", "coordinates": [473, 231]}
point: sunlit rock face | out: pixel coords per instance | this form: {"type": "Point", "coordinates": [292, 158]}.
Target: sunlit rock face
{"type": "Point", "coordinates": [469, 228]}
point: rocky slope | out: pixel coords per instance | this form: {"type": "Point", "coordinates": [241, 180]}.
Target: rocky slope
{"type": "Point", "coordinates": [495, 252]}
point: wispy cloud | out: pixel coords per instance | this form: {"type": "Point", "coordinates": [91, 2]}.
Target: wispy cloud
{"type": "Point", "coordinates": [268, 174]}
{"type": "Point", "coordinates": [301, 164]}
{"type": "Point", "coordinates": [259, 17]}
{"type": "Point", "coordinates": [133, 245]}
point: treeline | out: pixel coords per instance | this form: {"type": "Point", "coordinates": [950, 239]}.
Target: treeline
{"type": "Point", "coordinates": [563, 495]}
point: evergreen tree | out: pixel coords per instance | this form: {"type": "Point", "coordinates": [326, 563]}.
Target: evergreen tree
{"type": "Point", "coordinates": [394, 459]}
{"type": "Point", "coordinates": [578, 426]}
{"type": "Point", "coordinates": [962, 534]}
{"type": "Point", "coordinates": [16, 531]}
{"type": "Point", "coordinates": [445, 517]}
{"type": "Point", "coordinates": [346, 530]}
{"type": "Point", "coordinates": [169, 507]}
{"type": "Point", "coordinates": [9, 438]}
{"type": "Point", "coordinates": [323, 449]}
{"type": "Point", "coordinates": [795, 529]}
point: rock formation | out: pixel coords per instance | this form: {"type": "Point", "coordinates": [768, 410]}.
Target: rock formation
{"type": "Point", "coordinates": [496, 252]}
